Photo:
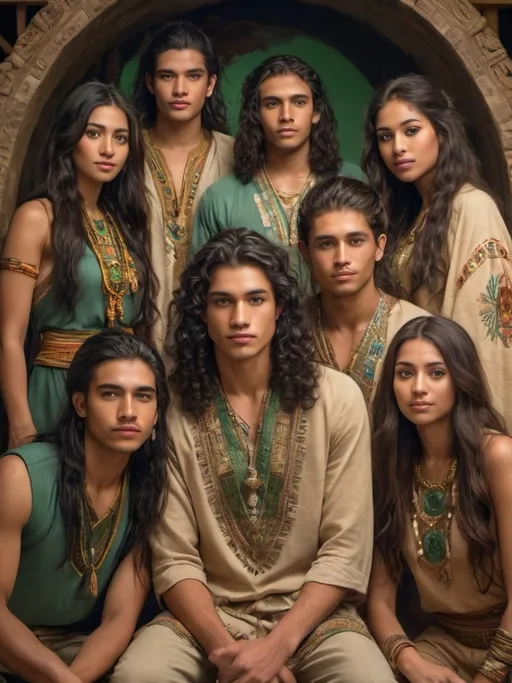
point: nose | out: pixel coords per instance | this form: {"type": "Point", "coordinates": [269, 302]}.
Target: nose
{"type": "Point", "coordinates": [399, 144]}
{"type": "Point", "coordinates": [179, 86]}
{"type": "Point", "coordinates": [285, 113]}
{"type": "Point", "coordinates": [127, 409]}
{"type": "Point", "coordinates": [240, 317]}
{"type": "Point", "coordinates": [419, 386]}
{"type": "Point", "coordinates": [107, 146]}
{"type": "Point", "coordinates": [341, 257]}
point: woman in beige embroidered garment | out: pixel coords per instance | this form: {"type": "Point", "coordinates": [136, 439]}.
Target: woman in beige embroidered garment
{"type": "Point", "coordinates": [177, 94]}
{"type": "Point", "coordinates": [450, 248]}
{"type": "Point", "coordinates": [442, 491]}
{"type": "Point", "coordinates": [75, 258]}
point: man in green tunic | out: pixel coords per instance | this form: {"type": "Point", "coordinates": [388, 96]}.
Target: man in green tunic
{"type": "Point", "coordinates": [75, 513]}
{"type": "Point", "coordinates": [285, 144]}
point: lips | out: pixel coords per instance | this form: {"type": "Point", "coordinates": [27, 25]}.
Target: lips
{"type": "Point", "coordinates": [343, 275]}
{"type": "Point", "coordinates": [179, 104]}
{"type": "Point", "coordinates": [404, 164]}
{"type": "Point", "coordinates": [107, 165]}
{"type": "Point", "coordinates": [127, 429]}
{"type": "Point", "coordinates": [287, 132]}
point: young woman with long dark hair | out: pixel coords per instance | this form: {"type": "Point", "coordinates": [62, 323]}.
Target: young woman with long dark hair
{"type": "Point", "coordinates": [75, 259]}
{"type": "Point", "coordinates": [442, 490]}
{"type": "Point", "coordinates": [449, 248]}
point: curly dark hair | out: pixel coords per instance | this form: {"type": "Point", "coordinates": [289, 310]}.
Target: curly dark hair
{"type": "Point", "coordinates": [338, 194]}
{"type": "Point", "coordinates": [457, 165]}
{"type": "Point", "coordinates": [324, 157]}
{"type": "Point", "coordinates": [147, 466]}
{"type": "Point", "coordinates": [294, 375]}
{"type": "Point", "coordinates": [180, 35]}
{"type": "Point", "coordinates": [397, 447]}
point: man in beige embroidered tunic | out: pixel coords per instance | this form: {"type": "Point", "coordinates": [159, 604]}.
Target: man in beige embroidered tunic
{"type": "Point", "coordinates": [177, 94]}
{"type": "Point", "coordinates": [342, 230]}
{"type": "Point", "coordinates": [266, 543]}
{"type": "Point", "coordinates": [285, 144]}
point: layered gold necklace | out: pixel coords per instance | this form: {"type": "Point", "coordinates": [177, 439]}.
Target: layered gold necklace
{"type": "Point", "coordinates": [117, 266]}
{"type": "Point", "coordinates": [432, 520]}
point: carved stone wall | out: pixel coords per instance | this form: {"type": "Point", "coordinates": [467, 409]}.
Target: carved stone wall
{"type": "Point", "coordinates": [448, 39]}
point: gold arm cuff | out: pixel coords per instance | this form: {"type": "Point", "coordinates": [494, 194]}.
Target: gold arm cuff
{"type": "Point", "coordinates": [17, 266]}
{"type": "Point", "coordinates": [498, 661]}
{"type": "Point", "coordinates": [393, 646]}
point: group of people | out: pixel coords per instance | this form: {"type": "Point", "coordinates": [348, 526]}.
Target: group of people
{"type": "Point", "coordinates": [263, 383]}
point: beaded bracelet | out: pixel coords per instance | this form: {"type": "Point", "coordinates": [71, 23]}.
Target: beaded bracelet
{"type": "Point", "coordinates": [393, 646]}
{"type": "Point", "coordinates": [498, 661]}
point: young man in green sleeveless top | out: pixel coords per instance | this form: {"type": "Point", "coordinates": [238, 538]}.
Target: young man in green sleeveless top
{"type": "Point", "coordinates": [76, 510]}
{"type": "Point", "coordinates": [266, 542]}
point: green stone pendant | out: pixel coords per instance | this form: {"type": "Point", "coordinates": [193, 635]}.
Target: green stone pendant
{"type": "Point", "coordinates": [434, 547]}
{"type": "Point", "coordinates": [434, 503]}
{"type": "Point", "coordinates": [116, 275]}
{"type": "Point", "coordinates": [101, 227]}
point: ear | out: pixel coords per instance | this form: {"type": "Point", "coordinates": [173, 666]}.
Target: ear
{"type": "Point", "coordinates": [149, 83]}
{"type": "Point", "coordinates": [279, 310]}
{"type": "Point", "coordinates": [79, 404]}
{"type": "Point", "coordinates": [211, 86]}
{"type": "Point", "coordinates": [316, 117]}
{"type": "Point", "coordinates": [303, 248]}
{"type": "Point", "coordinates": [381, 245]}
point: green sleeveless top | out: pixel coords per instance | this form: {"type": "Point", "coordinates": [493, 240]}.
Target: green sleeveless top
{"type": "Point", "coordinates": [48, 592]}
{"type": "Point", "coordinates": [47, 386]}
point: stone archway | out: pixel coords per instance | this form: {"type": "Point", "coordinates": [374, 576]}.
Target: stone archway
{"type": "Point", "coordinates": [448, 39]}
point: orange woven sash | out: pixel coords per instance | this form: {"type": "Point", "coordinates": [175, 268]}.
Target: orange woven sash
{"type": "Point", "coordinates": [59, 347]}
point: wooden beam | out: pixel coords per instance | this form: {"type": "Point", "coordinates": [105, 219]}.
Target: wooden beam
{"type": "Point", "coordinates": [21, 19]}
{"type": "Point", "coordinates": [5, 46]}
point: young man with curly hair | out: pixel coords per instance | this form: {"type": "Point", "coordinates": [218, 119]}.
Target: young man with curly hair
{"type": "Point", "coordinates": [265, 547]}
{"type": "Point", "coordinates": [285, 144]}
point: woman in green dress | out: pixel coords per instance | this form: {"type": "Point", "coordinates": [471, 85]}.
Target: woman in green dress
{"type": "Point", "coordinates": [75, 258]}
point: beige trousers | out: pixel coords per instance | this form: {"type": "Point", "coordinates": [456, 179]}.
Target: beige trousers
{"type": "Point", "coordinates": [159, 655]}
{"type": "Point", "coordinates": [436, 646]}
{"type": "Point", "coordinates": [64, 644]}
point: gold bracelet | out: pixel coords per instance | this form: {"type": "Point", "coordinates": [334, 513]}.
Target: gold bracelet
{"type": "Point", "coordinates": [393, 646]}
{"type": "Point", "coordinates": [498, 660]}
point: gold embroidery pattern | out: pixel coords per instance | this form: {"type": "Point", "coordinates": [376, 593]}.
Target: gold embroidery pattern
{"type": "Point", "coordinates": [339, 622]}
{"type": "Point", "coordinates": [368, 354]}
{"type": "Point", "coordinates": [17, 266]}
{"type": "Point", "coordinates": [495, 308]}
{"type": "Point", "coordinates": [166, 619]}
{"type": "Point", "coordinates": [403, 253]}
{"type": "Point", "coordinates": [488, 250]}
{"type": "Point", "coordinates": [116, 264]}
{"type": "Point", "coordinates": [273, 214]}
{"type": "Point", "coordinates": [42, 289]}
{"type": "Point", "coordinates": [257, 543]}
{"type": "Point", "coordinates": [96, 536]}
{"type": "Point", "coordinates": [177, 210]}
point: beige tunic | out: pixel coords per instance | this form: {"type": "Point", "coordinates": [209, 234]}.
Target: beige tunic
{"type": "Point", "coordinates": [477, 289]}
{"type": "Point", "coordinates": [318, 520]}
{"type": "Point", "coordinates": [366, 363]}
{"type": "Point", "coordinates": [219, 163]}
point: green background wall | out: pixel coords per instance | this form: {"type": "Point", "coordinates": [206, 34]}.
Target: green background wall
{"type": "Point", "coordinates": [348, 90]}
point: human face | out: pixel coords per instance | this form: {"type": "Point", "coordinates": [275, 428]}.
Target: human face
{"type": "Point", "coordinates": [180, 85]}
{"type": "Point", "coordinates": [407, 142]}
{"type": "Point", "coordinates": [103, 149]}
{"type": "Point", "coordinates": [286, 111]}
{"type": "Point", "coordinates": [120, 408]}
{"type": "Point", "coordinates": [423, 386]}
{"type": "Point", "coordinates": [241, 312]}
{"type": "Point", "coordinates": [342, 252]}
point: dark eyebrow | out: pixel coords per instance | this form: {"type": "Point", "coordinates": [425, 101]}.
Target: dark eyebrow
{"type": "Point", "coordinates": [101, 127]}
{"type": "Point", "coordinates": [195, 70]}
{"type": "Point", "coordinates": [404, 123]}
{"type": "Point", "coordinates": [117, 387]}
{"type": "Point", "coordinates": [432, 364]}
{"type": "Point", "coordinates": [278, 98]}
{"type": "Point", "coordinates": [252, 292]}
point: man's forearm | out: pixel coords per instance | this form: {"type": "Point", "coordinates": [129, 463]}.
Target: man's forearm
{"type": "Point", "coordinates": [22, 653]}
{"type": "Point", "coordinates": [102, 649]}
{"type": "Point", "coordinates": [192, 604]}
{"type": "Point", "coordinates": [315, 603]}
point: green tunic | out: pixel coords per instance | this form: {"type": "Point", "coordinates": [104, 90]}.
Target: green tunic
{"type": "Point", "coordinates": [48, 592]}
{"type": "Point", "coordinates": [228, 203]}
{"type": "Point", "coordinates": [47, 386]}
